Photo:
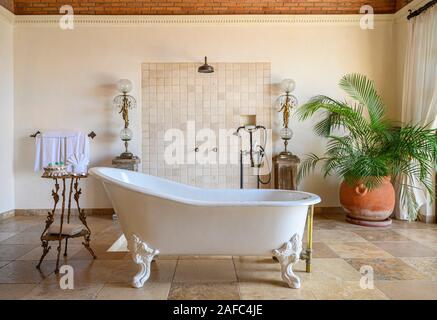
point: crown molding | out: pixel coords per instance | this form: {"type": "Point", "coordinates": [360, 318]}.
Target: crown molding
{"type": "Point", "coordinates": [139, 20]}
{"type": "Point", "coordinates": [6, 15]}
{"type": "Point", "coordinates": [404, 12]}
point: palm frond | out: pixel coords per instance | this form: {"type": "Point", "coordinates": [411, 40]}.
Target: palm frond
{"type": "Point", "coordinates": [360, 88]}
{"type": "Point", "coordinates": [307, 166]}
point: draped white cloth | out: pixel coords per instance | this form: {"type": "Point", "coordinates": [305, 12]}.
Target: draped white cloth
{"type": "Point", "coordinates": [419, 101]}
{"type": "Point", "coordinates": [61, 146]}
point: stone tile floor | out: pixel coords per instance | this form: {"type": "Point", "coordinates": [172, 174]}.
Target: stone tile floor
{"type": "Point", "coordinates": [403, 257]}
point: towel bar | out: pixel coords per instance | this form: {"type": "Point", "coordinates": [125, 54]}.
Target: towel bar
{"type": "Point", "coordinates": [92, 134]}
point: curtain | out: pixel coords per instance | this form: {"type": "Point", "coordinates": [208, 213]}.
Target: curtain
{"type": "Point", "coordinates": [419, 101]}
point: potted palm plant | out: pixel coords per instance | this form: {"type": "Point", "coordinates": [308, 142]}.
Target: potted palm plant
{"type": "Point", "coordinates": [369, 152]}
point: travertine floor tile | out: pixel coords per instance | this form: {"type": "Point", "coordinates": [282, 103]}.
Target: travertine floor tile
{"type": "Point", "coordinates": [337, 259]}
{"type": "Point", "coordinates": [14, 251]}
{"type": "Point", "coordinates": [321, 250]}
{"type": "Point", "coordinates": [204, 291]}
{"type": "Point", "coordinates": [427, 266]}
{"type": "Point", "coordinates": [335, 236]}
{"type": "Point", "coordinates": [24, 238]}
{"type": "Point", "coordinates": [430, 244]}
{"type": "Point", "coordinates": [258, 269]}
{"type": "Point", "coordinates": [106, 237]}
{"type": "Point", "coordinates": [162, 271]}
{"type": "Point", "coordinates": [421, 235]}
{"type": "Point", "coordinates": [398, 224]}
{"type": "Point", "coordinates": [358, 250]}
{"type": "Point", "coordinates": [35, 254]}
{"type": "Point", "coordinates": [326, 224]}
{"type": "Point", "coordinates": [406, 249]}
{"type": "Point", "coordinates": [343, 290]}
{"type": "Point", "coordinates": [273, 291]}
{"type": "Point", "coordinates": [6, 235]}
{"type": "Point", "coordinates": [389, 269]}
{"type": "Point", "coordinates": [205, 271]}
{"type": "Point", "coordinates": [101, 251]}
{"type": "Point", "coordinates": [25, 272]}
{"type": "Point", "coordinates": [381, 235]}
{"type": "Point", "coordinates": [16, 225]}
{"type": "Point", "coordinates": [327, 269]}
{"type": "Point", "coordinates": [124, 291]}
{"type": "Point", "coordinates": [14, 291]}
{"type": "Point", "coordinates": [94, 271]}
{"type": "Point", "coordinates": [267, 271]}
{"type": "Point", "coordinates": [48, 290]}
{"type": "Point", "coordinates": [409, 289]}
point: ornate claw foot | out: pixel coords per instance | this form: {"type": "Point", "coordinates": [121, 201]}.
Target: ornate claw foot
{"type": "Point", "coordinates": [143, 256]}
{"type": "Point", "coordinates": [288, 255]}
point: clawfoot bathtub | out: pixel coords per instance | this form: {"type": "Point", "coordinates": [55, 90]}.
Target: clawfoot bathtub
{"type": "Point", "coordinates": [161, 216]}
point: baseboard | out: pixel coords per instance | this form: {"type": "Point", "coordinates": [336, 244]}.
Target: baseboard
{"type": "Point", "coordinates": [328, 210]}
{"type": "Point", "coordinates": [426, 219]}
{"type": "Point", "coordinates": [7, 214]}
{"type": "Point", "coordinates": [43, 212]}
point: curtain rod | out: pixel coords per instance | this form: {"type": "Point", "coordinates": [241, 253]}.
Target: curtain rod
{"type": "Point", "coordinates": [421, 10]}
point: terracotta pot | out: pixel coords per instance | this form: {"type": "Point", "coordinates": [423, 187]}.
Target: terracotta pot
{"type": "Point", "coordinates": [364, 207]}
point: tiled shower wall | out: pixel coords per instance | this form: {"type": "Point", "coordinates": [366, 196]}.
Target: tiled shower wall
{"type": "Point", "coordinates": [174, 93]}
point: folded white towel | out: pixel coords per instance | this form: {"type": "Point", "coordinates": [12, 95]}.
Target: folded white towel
{"type": "Point", "coordinates": [79, 163]}
{"type": "Point", "coordinates": [68, 229]}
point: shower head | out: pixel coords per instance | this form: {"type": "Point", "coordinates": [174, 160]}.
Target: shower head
{"type": "Point", "coordinates": [205, 68]}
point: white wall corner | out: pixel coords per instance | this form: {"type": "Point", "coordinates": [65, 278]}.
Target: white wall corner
{"type": "Point", "coordinates": [6, 15]}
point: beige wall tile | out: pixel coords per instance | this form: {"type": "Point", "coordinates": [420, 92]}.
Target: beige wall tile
{"type": "Point", "coordinates": [176, 92]}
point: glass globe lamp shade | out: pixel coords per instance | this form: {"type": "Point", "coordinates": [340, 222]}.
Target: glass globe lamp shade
{"type": "Point", "coordinates": [126, 134]}
{"type": "Point", "coordinates": [121, 99]}
{"type": "Point", "coordinates": [288, 85]}
{"type": "Point", "coordinates": [292, 100]}
{"type": "Point", "coordinates": [280, 101]}
{"type": "Point", "coordinates": [286, 133]}
{"type": "Point", "coordinates": [124, 85]}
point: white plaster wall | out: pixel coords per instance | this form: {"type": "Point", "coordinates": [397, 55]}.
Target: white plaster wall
{"type": "Point", "coordinates": [7, 198]}
{"type": "Point", "coordinates": [65, 79]}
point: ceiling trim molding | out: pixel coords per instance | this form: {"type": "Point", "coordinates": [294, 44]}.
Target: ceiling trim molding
{"type": "Point", "coordinates": [138, 20]}
{"type": "Point", "coordinates": [6, 15]}
{"type": "Point", "coordinates": [404, 12]}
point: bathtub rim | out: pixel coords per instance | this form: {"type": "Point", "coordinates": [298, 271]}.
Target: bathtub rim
{"type": "Point", "coordinates": [96, 172]}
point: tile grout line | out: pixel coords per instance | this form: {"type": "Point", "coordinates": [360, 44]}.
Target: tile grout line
{"type": "Point", "coordinates": [238, 279]}
{"type": "Point", "coordinates": [173, 277]}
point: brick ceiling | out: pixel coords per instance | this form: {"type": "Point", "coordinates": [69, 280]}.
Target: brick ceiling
{"type": "Point", "coordinates": [200, 7]}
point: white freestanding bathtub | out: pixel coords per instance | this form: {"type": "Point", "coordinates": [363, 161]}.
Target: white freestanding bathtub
{"type": "Point", "coordinates": [161, 216]}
